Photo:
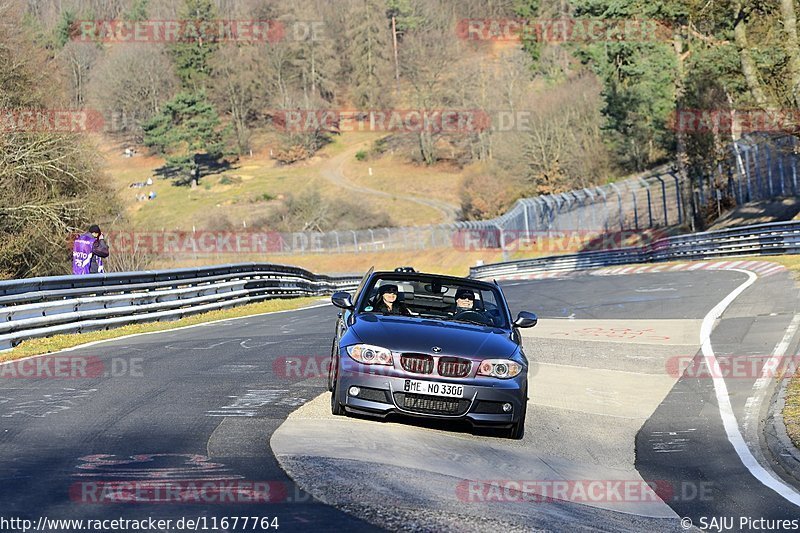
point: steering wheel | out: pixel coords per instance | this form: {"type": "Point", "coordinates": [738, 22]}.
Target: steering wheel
{"type": "Point", "coordinates": [473, 316]}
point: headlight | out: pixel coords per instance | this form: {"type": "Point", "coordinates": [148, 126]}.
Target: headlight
{"type": "Point", "coordinates": [499, 368]}
{"type": "Point", "coordinates": [370, 355]}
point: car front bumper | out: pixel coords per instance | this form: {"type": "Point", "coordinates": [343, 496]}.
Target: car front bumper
{"type": "Point", "coordinates": [481, 404]}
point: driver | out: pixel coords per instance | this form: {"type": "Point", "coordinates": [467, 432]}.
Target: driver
{"type": "Point", "coordinates": [465, 301]}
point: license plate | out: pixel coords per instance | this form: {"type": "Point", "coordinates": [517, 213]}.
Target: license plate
{"type": "Point", "coordinates": [414, 386]}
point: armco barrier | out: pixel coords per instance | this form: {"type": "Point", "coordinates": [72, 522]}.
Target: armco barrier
{"type": "Point", "coordinates": [41, 307]}
{"type": "Point", "coordinates": [774, 238]}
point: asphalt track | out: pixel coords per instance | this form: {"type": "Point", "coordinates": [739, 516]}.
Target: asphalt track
{"type": "Point", "coordinates": [205, 402]}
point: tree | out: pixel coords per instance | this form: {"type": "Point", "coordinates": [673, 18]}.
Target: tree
{"type": "Point", "coordinates": [131, 85]}
{"type": "Point", "coordinates": [239, 88]}
{"type": "Point", "coordinates": [192, 56]}
{"type": "Point", "coordinates": [187, 127]}
{"type": "Point", "coordinates": [66, 25]}
{"type": "Point", "coordinates": [368, 53]}
{"type": "Point", "coordinates": [52, 184]}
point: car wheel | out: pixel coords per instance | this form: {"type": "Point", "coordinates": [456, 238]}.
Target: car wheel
{"type": "Point", "coordinates": [331, 365]}
{"type": "Point", "coordinates": [517, 431]}
{"type": "Point", "coordinates": [337, 409]}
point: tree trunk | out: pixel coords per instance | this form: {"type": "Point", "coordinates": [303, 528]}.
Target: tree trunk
{"type": "Point", "coordinates": [396, 61]}
{"type": "Point", "coordinates": [687, 197]}
{"type": "Point", "coordinates": [790, 28]}
{"type": "Point", "coordinates": [749, 69]}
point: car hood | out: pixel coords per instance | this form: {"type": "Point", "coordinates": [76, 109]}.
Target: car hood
{"type": "Point", "coordinates": [420, 335]}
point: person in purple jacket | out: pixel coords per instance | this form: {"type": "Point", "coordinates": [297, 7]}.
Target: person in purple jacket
{"type": "Point", "coordinates": [88, 252]}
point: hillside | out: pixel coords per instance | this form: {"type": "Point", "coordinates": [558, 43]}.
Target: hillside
{"type": "Point", "coordinates": [246, 194]}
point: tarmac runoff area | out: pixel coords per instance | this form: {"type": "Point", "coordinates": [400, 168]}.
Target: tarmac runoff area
{"type": "Point", "coordinates": [593, 384]}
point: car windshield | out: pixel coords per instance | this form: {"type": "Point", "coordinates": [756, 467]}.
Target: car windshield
{"type": "Point", "coordinates": [433, 298]}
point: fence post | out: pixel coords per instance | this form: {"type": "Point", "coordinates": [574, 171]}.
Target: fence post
{"type": "Point", "coordinates": [768, 155]}
{"type": "Point", "coordinates": [678, 197]}
{"type": "Point", "coordinates": [590, 195]}
{"type": "Point", "coordinates": [355, 242]}
{"type": "Point", "coordinates": [747, 175]}
{"type": "Point", "coordinates": [635, 211]}
{"type": "Point", "coordinates": [338, 246]}
{"type": "Point", "coordinates": [602, 194]}
{"type": "Point", "coordinates": [619, 204]}
{"type": "Point", "coordinates": [664, 199]}
{"type": "Point", "coordinates": [649, 201]}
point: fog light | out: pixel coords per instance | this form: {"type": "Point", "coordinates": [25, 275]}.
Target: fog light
{"type": "Point", "coordinates": [506, 407]}
{"type": "Point", "coordinates": [353, 391]}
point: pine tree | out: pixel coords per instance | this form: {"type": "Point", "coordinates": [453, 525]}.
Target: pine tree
{"type": "Point", "coordinates": [65, 28]}
{"type": "Point", "coordinates": [187, 127]}
{"type": "Point", "coordinates": [368, 52]}
{"type": "Point", "coordinates": [192, 56]}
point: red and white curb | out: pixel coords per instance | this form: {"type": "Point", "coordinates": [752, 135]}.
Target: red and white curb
{"type": "Point", "coordinates": [762, 268]}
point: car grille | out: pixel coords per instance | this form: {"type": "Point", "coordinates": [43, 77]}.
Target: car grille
{"type": "Point", "coordinates": [419, 403]}
{"type": "Point", "coordinates": [454, 367]}
{"type": "Point", "coordinates": [417, 363]}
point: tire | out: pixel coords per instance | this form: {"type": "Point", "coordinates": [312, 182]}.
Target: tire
{"type": "Point", "coordinates": [337, 409]}
{"type": "Point", "coordinates": [331, 370]}
{"type": "Point", "coordinates": [517, 430]}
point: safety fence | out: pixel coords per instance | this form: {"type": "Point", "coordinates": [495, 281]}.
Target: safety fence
{"type": "Point", "coordinates": [42, 307]}
{"type": "Point", "coordinates": [775, 238]}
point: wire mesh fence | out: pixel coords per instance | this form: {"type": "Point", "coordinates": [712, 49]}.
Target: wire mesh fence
{"type": "Point", "coordinates": [757, 168]}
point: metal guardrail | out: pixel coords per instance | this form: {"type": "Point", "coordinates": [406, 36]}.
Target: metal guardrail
{"type": "Point", "coordinates": [775, 238]}
{"type": "Point", "coordinates": [41, 307]}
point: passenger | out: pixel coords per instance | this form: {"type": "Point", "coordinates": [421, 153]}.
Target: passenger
{"type": "Point", "coordinates": [387, 302]}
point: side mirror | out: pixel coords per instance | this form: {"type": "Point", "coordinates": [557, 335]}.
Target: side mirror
{"type": "Point", "coordinates": [526, 320]}
{"type": "Point", "coordinates": [342, 300]}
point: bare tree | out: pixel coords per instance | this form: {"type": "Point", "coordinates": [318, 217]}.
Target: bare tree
{"type": "Point", "coordinates": [130, 86]}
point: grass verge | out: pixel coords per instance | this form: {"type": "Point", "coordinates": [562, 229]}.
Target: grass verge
{"type": "Point", "coordinates": [60, 342]}
{"type": "Point", "coordinates": [791, 411]}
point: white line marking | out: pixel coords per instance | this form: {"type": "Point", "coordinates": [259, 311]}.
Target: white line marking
{"type": "Point", "coordinates": [724, 402]}
{"type": "Point", "coordinates": [769, 369]}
